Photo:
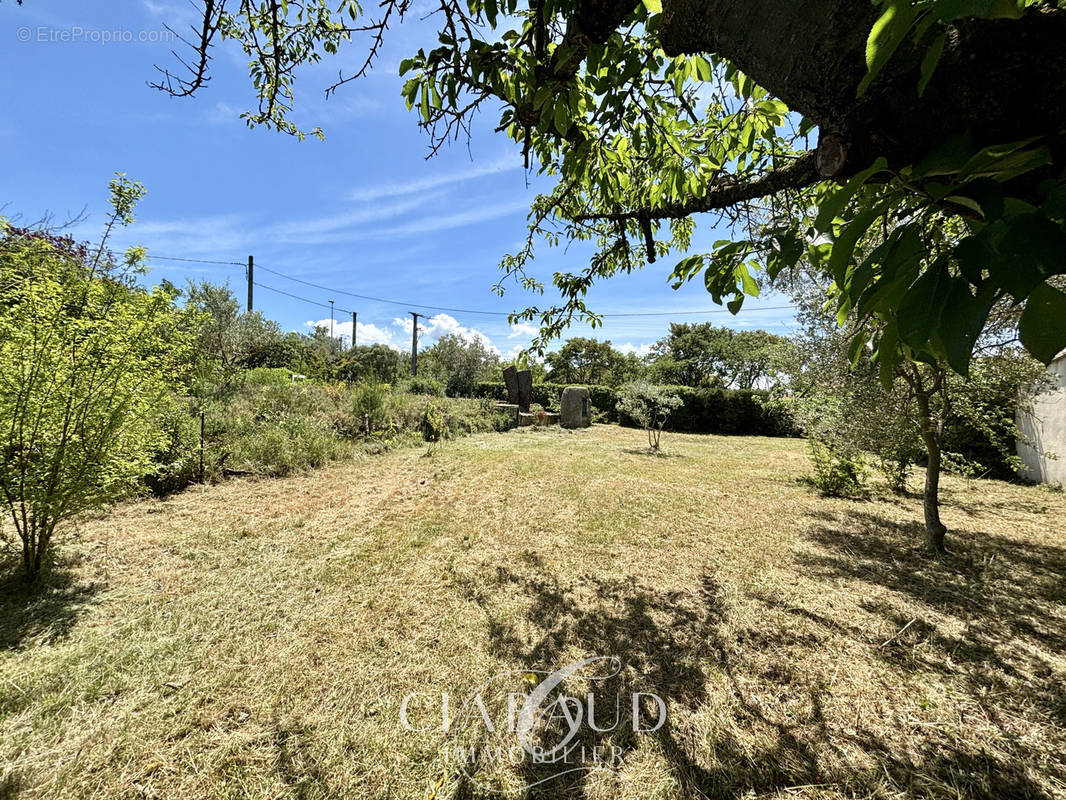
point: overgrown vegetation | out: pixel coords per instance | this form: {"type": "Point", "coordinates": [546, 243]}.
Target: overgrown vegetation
{"type": "Point", "coordinates": [86, 360]}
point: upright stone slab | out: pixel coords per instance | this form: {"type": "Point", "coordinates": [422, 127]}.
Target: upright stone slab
{"type": "Point", "coordinates": [510, 377]}
{"type": "Point", "coordinates": [574, 410]}
{"type": "Point", "coordinates": [525, 389]}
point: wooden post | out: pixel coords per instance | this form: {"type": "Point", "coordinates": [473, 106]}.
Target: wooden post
{"type": "Point", "coordinates": [414, 344]}
{"type": "Point", "coordinates": [251, 280]}
{"type": "Point", "coordinates": [354, 328]}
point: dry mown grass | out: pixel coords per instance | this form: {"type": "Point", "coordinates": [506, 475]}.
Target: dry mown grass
{"type": "Point", "coordinates": [254, 639]}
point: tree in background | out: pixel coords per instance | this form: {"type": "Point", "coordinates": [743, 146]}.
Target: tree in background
{"type": "Point", "coordinates": [87, 359]}
{"type": "Point", "coordinates": [588, 361]}
{"type": "Point", "coordinates": [702, 354]}
{"type": "Point", "coordinates": [459, 363]}
{"type": "Point", "coordinates": [377, 363]}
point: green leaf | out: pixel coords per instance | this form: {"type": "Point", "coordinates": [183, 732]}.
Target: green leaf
{"type": "Point", "coordinates": [1004, 162]}
{"type": "Point", "coordinates": [961, 322]}
{"type": "Point", "coordinates": [888, 354]}
{"type": "Point", "coordinates": [748, 283]}
{"type": "Point", "coordinates": [845, 243]}
{"type": "Point", "coordinates": [929, 62]}
{"type": "Point", "coordinates": [1043, 323]}
{"type": "Point", "coordinates": [919, 311]}
{"type": "Point", "coordinates": [833, 206]}
{"type": "Point", "coordinates": [562, 116]}
{"type": "Point", "coordinates": [855, 348]}
{"type": "Point", "coordinates": [885, 36]}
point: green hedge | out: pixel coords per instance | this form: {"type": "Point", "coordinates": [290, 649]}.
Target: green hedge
{"type": "Point", "coordinates": [721, 411]}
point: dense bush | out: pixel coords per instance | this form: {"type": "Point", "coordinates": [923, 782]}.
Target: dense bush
{"type": "Point", "coordinates": [721, 411]}
{"type": "Point", "coordinates": [425, 385]}
{"type": "Point", "coordinates": [267, 376]}
{"type": "Point", "coordinates": [370, 406]}
{"type": "Point", "coordinates": [838, 472]}
{"type": "Point", "coordinates": [86, 358]}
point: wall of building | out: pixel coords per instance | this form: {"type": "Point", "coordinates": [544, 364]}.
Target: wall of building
{"type": "Point", "coordinates": [1045, 425]}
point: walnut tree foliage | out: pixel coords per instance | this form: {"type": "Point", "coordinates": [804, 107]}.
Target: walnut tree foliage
{"type": "Point", "coordinates": [805, 127]}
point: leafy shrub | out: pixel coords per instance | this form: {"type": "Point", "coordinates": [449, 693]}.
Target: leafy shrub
{"type": "Point", "coordinates": [837, 472]}
{"type": "Point", "coordinates": [370, 405]}
{"type": "Point", "coordinates": [86, 359]}
{"type": "Point", "coordinates": [267, 376]}
{"type": "Point", "coordinates": [649, 406]}
{"type": "Point", "coordinates": [177, 456]}
{"type": "Point", "coordinates": [425, 385]}
{"type": "Point", "coordinates": [283, 446]}
{"type": "Point", "coordinates": [434, 427]}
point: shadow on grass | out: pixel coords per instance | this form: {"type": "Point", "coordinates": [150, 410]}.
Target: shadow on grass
{"type": "Point", "coordinates": [987, 620]}
{"type": "Point", "coordinates": [44, 612]}
{"type": "Point", "coordinates": [647, 451]}
{"type": "Point", "coordinates": [10, 786]}
{"type": "Point", "coordinates": [746, 713]}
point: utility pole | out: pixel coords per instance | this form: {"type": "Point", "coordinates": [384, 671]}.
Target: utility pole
{"type": "Point", "coordinates": [414, 344]}
{"type": "Point", "coordinates": [331, 322]}
{"type": "Point", "coordinates": [353, 330]}
{"type": "Point", "coordinates": [251, 280]}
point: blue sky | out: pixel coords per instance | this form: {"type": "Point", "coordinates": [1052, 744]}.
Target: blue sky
{"type": "Point", "coordinates": [362, 211]}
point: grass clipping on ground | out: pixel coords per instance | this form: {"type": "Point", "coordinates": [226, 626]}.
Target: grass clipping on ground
{"type": "Point", "coordinates": [256, 638]}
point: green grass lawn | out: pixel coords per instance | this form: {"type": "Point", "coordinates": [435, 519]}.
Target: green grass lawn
{"type": "Point", "coordinates": [256, 638]}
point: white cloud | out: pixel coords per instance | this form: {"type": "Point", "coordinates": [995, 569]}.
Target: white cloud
{"type": "Point", "coordinates": [228, 233]}
{"type": "Point", "coordinates": [639, 349]}
{"type": "Point", "coordinates": [366, 333]}
{"type": "Point", "coordinates": [431, 224]}
{"type": "Point", "coordinates": [433, 328]}
{"type": "Point", "coordinates": [368, 193]}
{"type": "Point", "coordinates": [523, 329]}
{"type": "Point", "coordinates": [313, 228]}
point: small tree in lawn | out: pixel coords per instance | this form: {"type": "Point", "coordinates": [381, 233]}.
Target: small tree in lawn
{"type": "Point", "coordinates": [86, 358]}
{"type": "Point", "coordinates": [650, 406]}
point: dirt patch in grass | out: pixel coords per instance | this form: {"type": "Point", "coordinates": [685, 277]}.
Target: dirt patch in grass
{"type": "Point", "coordinates": [256, 638]}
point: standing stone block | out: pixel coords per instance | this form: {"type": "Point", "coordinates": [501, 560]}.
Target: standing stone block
{"type": "Point", "coordinates": [525, 389]}
{"type": "Point", "coordinates": [510, 377]}
{"type": "Point", "coordinates": [574, 408]}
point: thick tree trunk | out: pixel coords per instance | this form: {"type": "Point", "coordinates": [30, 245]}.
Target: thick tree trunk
{"type": "Point", "coordinates": [1000, 80]}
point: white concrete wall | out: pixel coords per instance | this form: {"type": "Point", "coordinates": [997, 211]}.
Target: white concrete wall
{"type": "Point", "coordinates": [1045, 425]}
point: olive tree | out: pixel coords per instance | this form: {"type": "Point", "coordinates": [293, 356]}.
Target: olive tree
{"type": "Point", "coordinates": [649, 406]}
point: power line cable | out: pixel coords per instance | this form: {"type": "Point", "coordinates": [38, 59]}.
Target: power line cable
{"type": "Point", "coordinates": [380, 299]}
{"type": "Point", "coordinates": [259, 285]}
{"type": "Point", "coordinates": [198, 260]}
{"type": "Point", "coordinates": [468, 311]}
